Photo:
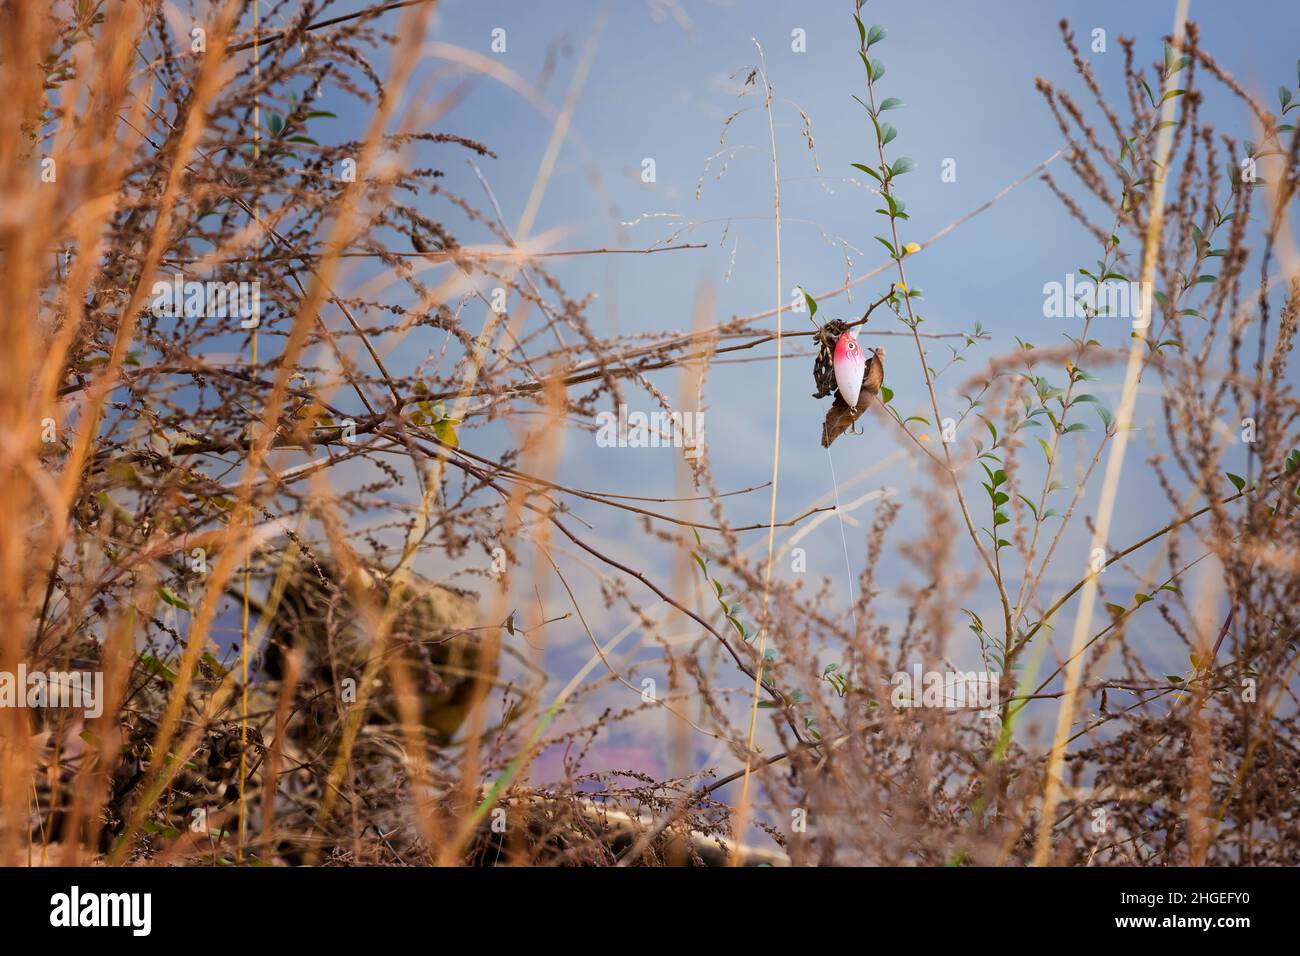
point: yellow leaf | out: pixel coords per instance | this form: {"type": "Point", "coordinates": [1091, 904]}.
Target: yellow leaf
{"type": "Point", "coordinates": [910, 248]}
{"type": "Point", "coordinates": [446, 432]}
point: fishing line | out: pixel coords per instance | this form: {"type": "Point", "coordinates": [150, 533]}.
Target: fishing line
{"type": "Point", "coordinates": [848, 567]}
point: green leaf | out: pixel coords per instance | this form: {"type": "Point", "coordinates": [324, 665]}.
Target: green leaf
{"type": "Point", "coordinates": [172, 598]}
{"type": "Point", "coordinates": [1173, 678]}
{"type": "Point", "coordinates": [812, 303]}
{"type": "Point", "coordinates": [904, 164]}
{"type": "Point", "coordinates": [892, 103]}
{"type": "Point", "coordinates": [1284, 95]}
{"type": "Point", "coordinates": [992, 429]}
{"type": "Point", "coordinates": [888, 134]}
{"type": "Point", "coordinates": [886, 394]}
{"type": "Point", "coordinates": [1116, 610]}
{"type": "Point", "coordinates": [1236, 480]}
{"type": "Point", "coordinates": [868, 170]}
{"type": "Point", "coordinates": [862, 31]}
{"type": "Point", "coordinates": [158, 668]}
{"type": "Point", "coordinates": [876, 34]}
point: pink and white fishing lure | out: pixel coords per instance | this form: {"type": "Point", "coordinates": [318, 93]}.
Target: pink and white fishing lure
{"type": "Point", "coordinates": [850, 364]}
